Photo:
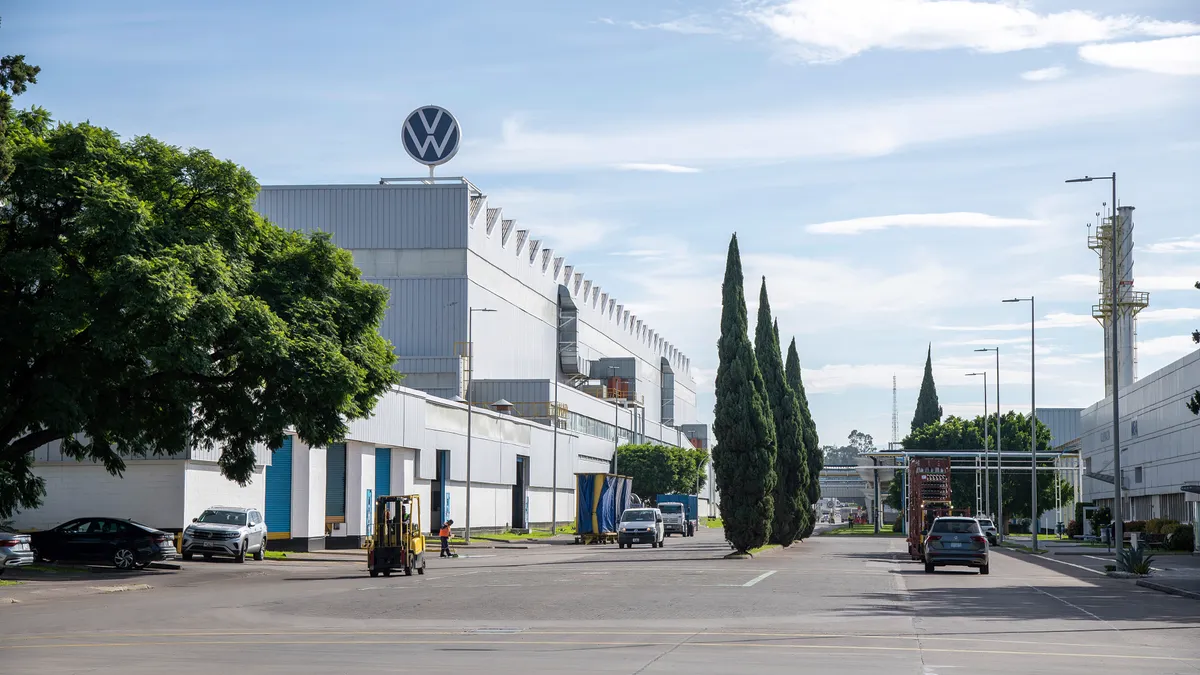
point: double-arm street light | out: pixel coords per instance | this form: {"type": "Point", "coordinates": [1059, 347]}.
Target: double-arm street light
{"type": "Point", "coordinates": [999, 456]}
{"type": "Point", "coordinates": [1114, 296]}
{"type": "Point", "coordinates": [470, 376]}
{"type": "Point", "coordinates": [987, 463]}
{"type": "Point", "coordinates": [1033, 483]}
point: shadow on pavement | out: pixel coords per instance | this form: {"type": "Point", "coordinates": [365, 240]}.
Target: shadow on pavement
{"type": "Point", "coordinates": [1105, 600]}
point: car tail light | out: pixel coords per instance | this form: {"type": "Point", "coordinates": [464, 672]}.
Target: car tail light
{"type": "Point", "coordinates": [9, 542]}
{"type": "Point", "coordinates": [934, 537]}
{"type": "Point", "coordinates": [978, 540]}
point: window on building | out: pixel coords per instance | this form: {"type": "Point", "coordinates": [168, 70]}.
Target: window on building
{"type": "Point", "coordinates": [1133, 430]}
{"type": "Point", "coordinates": [1087, 464]}
{"type": "Point", "coordinates": [1137, 475]}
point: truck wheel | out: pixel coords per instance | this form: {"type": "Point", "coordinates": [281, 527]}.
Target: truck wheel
{"type": "Point", "coordinates": [374, 573]}
{"type": "Point", "coordinates": [983, 570]}
{"type": "Point", "coordinates": [929, 568]}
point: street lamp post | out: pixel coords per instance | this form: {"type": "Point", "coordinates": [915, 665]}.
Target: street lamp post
{"type": "Point", "coordinates": [1033, 512]}
{"type": "Point", "coordinates": [1114, 296]}
{"type": "Point", "coordinates": [616, 419]}
{"type": "Point", "coordinates": [987, 468]}
{"type": "Point", "coordinates": [999, 455]}
{"type": "Point", "coordinates": [470, 407]}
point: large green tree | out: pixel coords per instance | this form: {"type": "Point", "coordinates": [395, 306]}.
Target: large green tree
{"type": "Point", "coordinates": [663, 469]}
{"type": "Point", "coordinates": [148, 309]}
{"type": "Point", "coordinates": [744, 455]}
{"type": "Point", "coordinates": [955, 433]}
{"type": "Point", "coordinates": [791, 466]}
{"type": "Point", "coordinates": [812, 442]}
{"type": "Point", "coordinates": [928, 410]}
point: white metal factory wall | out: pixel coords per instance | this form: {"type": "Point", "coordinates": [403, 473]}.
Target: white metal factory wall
{"type": "Point", "coordinates": [151, 492]}
{"type": "Point", "coordinates": [440, 251]}
{"type": "Point", "coordinates": [1160, 441]}
{"type": "Point", "coordinates": [417, 426]}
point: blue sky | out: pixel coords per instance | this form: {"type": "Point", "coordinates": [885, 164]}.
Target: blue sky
{"type": "Point", "coordinates": [894, 167]}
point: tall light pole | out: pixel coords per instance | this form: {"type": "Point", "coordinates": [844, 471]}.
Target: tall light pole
{"type": "Point", "coordinates": [1033, 484]}
{"type": "Point", "coordinates": [987, 468]}
{"type": "Point", "coordinates": [470, 407]}
{"type": "Point", "coordinates": [999, 455]}
{"type": "Point", "coordinates": [1114, 293]}
{"type": "Point", "coordinates": [616, 419]}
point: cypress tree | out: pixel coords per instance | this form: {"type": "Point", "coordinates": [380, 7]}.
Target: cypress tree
{"type": "Point", "coordinates": [744, 454]}
{"type": "Point", "coordinates": [812, 443]}
{"type": "Point", "coordinates": [928, 411]}
{"type": "Point", "coordinates": [808, 517]}
{"type": "Point", "coordinates": [791, 467]}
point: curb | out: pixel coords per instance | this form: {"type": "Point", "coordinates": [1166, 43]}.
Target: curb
{"type": "Point", "coordinates": [1171, 590]}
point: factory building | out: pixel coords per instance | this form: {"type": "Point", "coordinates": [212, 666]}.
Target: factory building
{"type": "Point", "coordinates": [501, 342]}
{"type": "Point", "coordinates": [1159, 436]}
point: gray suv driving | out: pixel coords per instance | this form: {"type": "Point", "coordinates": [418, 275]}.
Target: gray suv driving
{"type": "Point", "coordinates": [230, 531]}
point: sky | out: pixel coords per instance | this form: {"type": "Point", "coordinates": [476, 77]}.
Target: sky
{"type": "Point", "coordinates": [894, 168]}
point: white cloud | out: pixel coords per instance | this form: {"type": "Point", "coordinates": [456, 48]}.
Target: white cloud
{"type": "Point", "coordinates": [832, 30]}
{"type": "Point", "coordinates": [1172, 346]}
{"type": "Point", "coordinates": [987, 342]}
{"type": "Point", "coordinates": [686, 26]}
{"type": "Point", "coordinates": [922, 220]}
{"type": "Point", "coordinates": [1176, 282]}
{"type": "Point", "coordinates": [1054, 320]}
{"type": "Point", "coordinates": [1044, 74]}
{"type": "Point", "coordinates": [1169, 315]}
{"type": "Point", "coordinates": [1177, 245]}
{"type": "Point", "coordinates": [821, 131]}
{"type": "Point", "coordinates": [1172, 56]}
{"type": "Point", "coordinates": [554, 217]}
{"type": "Point", "coordinates": [840, 377]}
{"type": "Point", "coordinates": [663, 168]}
{"type": "Point", "coordinates": [1081, 279]}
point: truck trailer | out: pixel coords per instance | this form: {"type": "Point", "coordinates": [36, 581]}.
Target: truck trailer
{"type": "Point", "coordinates": [928, 498]}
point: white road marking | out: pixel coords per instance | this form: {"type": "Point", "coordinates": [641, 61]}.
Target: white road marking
{"type": "Point", "coordinates": [759, 578]}
{"type": "Point", "coordinates": [1064, 562]}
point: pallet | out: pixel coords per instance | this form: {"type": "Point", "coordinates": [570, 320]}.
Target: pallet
{"type": "Point", "coordinates": [601, 538]}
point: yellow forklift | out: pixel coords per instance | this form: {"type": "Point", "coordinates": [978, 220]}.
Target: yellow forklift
{"type": "Point", "coordinates": [397, 543]}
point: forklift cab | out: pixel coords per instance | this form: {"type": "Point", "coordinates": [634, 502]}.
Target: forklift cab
{"type": "Point", "coordinates": [397, 542]}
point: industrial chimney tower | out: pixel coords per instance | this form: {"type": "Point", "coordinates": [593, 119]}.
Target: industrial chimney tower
{"type": "Point", "coordinates": [1129, 301]}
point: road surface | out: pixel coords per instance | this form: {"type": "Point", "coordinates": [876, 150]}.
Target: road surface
{"type": "Point", "coordinates": [829, 605]}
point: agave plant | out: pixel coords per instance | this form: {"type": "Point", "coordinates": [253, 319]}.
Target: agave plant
{"type": "Point", "coordinates": [1134, 560]}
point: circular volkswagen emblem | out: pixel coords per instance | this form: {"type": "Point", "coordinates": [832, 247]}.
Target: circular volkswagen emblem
{"type": "Point", "coordinates": [431, 135]}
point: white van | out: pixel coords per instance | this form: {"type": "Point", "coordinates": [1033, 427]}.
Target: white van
{"type": "Point", "coordinates": [641, 526]}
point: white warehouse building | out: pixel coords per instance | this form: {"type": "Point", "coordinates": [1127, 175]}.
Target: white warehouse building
{"type": "Point", "coordinates": [1160, 445]}
{"type": "Point", "coordinates": [457, 270]}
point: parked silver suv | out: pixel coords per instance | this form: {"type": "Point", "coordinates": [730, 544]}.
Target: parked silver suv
{"type": "Point", "coordinates": [226, 531]}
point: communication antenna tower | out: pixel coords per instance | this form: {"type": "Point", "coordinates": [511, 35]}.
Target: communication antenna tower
{"type": "Point", "coordinates": [895, 414]}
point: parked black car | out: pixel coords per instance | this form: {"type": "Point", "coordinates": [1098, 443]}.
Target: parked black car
{"type": "Point", "coordinates": [123, 543]}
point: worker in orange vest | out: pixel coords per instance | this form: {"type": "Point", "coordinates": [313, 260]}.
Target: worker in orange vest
{"type": "Point", "coordinates": [444, 534]}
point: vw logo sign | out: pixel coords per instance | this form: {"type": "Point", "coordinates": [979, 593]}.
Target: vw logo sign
{"type": "Point", "coordinates": [431, 135]}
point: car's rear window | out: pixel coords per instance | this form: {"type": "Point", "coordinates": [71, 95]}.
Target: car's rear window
{"type": "Point", "coordinates": [956, 527]}
{"type": "Point", "coordinates": [671, 508]}
{"type": "Point", "coordinates": [983, 522]}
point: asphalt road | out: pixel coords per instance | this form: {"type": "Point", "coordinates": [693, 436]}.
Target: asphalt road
{"type": "Point", "coordinates": [829, 605]}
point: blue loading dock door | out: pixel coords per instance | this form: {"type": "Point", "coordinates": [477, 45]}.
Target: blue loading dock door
{"type": "Point", "coordinates": [279, 492]}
